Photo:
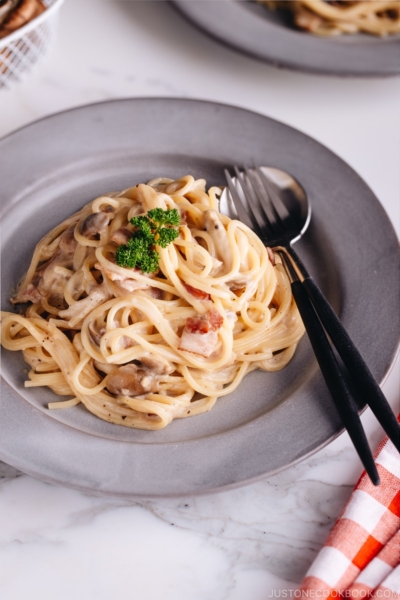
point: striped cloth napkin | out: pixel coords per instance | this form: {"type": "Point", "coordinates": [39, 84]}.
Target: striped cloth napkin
{"type": "Point", "coordinates": [361, 557]}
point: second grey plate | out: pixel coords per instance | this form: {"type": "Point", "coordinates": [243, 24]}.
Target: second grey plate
{"type": "Point", "coordinates": [51, 168]}
{"type": "Point", "coordinates": [266, 35]}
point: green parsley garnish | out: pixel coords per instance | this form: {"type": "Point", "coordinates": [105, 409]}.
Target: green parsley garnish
{"type": "Point", "coordinates": [155, 228]}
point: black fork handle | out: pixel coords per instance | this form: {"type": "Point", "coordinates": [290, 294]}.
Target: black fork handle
{"type": "Point", "coordinates": [351, 357]}
{"type": "Point", "coordinates": [333, 376]}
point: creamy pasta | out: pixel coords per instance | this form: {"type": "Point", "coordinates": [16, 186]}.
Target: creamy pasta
{"type": "Point", "coordinates": [376, 17]}
{"type": "Point", "coordinates": [141, 349]}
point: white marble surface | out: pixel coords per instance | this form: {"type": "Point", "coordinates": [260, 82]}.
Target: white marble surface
{"type": "Point", "coordinates": [251, 542]}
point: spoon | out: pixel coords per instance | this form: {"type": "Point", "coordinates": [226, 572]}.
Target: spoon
{"type": "Point", "coordinates": [288, 190]}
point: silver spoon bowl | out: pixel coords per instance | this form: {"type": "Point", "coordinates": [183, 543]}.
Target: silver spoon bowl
{"type": "Point", "coordinates": [287, 193]}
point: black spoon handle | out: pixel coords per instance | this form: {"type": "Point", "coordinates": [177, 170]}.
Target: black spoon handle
{"type": "Point", "coordinates": [333, 376]}
{"type": "Point", "coordinates": [351, 357]}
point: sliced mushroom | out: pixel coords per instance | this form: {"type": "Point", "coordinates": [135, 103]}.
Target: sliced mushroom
{"type": "Point", "coordinates": [66, 247]}
{"type": "Point", "coordinates": [239, 282]}
{"type": "Point", "coordinates": [95, 224]}
{"type": "Point", "coordinates": [30, 294]}
{"type": "Point", "coordinates": [50, 280]}
{"type": "Point", "coordinates": [157, 364]}
{"type": "Point", "coordinates": [156, 293]}
{"type": "Point", "coordinates": [131, 380]}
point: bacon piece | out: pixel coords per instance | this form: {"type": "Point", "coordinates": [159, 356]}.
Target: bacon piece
{"type": "Point", "coordinates": [198, 294]}
{"type": "Point", "coordinates": [204, 323]}
{"type": "Point", "coordinates": [200, 333]}
{"type": "Point", "coordinates": [271, 256]}
{"type": "Point", "coordinates": [216, 319]}
{"type": "Point", "coordinates": [198, 342]}
{"type": "Point", "coordinates": [197, 325]}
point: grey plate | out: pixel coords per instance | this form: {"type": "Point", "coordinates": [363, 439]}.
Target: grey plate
{"type": "Point", "coordinates": [267, 35]}
{"type": "Point", "coordinates": [51, 168]}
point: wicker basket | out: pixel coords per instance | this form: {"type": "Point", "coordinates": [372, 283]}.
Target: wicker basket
{"type": "Point", "coordinates": [23, 48]}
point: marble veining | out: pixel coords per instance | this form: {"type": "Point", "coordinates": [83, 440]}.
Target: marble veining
{"type": "Point", "coordinates": [274, 526]}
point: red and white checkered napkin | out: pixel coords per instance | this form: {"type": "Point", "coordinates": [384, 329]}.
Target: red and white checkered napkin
{"type": "Point", "coordinates": [361, 557]}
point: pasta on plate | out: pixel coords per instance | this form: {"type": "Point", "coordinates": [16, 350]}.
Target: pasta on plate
{"type": "Point", "coordinates": [141, 349]}
{"type": "Point", "coordinates": [376, 17]}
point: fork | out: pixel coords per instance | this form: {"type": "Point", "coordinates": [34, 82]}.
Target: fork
{"type": "Point", "coordinates": [267, 214]}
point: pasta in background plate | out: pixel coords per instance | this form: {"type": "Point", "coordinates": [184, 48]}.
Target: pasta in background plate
{"type": "Point", "coordinates": [377, 17]}
{"type": "Point", "coordinates": [141, 349]}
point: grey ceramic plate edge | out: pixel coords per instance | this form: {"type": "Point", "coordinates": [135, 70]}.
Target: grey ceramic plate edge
{"type": "Point", "coordinates": [12, 464]}
{"type": "Point", "coordinates": [209, 111]}
{"type": "Point", "coordinates": [239, 28]}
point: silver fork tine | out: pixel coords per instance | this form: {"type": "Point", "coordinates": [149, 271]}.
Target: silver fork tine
{"type": "Point", "coordinates": [252, 201]}
{"type": "Point", "coordinates": [269, 216]}
{"type": "Point", "coordinates": [273, 198]}
{"type": "Point", "coordinates": [241, 211]}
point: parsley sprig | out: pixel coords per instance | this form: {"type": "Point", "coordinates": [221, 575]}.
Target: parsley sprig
{"type": "Point", "coordinates": [155, 228]}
